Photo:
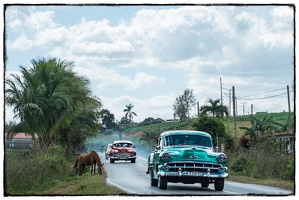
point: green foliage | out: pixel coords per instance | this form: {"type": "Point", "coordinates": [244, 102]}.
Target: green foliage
{"type": "Point", "coordinates": [129, 113]}
{"type": "Point", "coordinates": [214, 109]}
{"type": "Point", "coordinates": [216, 128]}
{"type": "Point", "coordinates": [160, 126]}
{"type": "Point", "coordinates": [262, 161]}
{"type": "Point", "coordinates": [212, 125]}
{"type": "Point", "coordinates": [107, 119]}
{"type": "Point", "coordinates": [50, 99]}
{"type": "Point", "coordinates": [262, 126]}
{"type": "Point", "coordinates": [183, 104]}
{"type": "Point", "coordinates": [47, 172]}
{"type": "Point", "coordinates": [240, 164]}
{"type": "Point", "coordinates": [27, 172]}
{"type": "Point", "coordinates": [150, 137]}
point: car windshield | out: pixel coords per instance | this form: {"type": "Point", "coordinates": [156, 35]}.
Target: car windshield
{"type": "Point", "coordinates": [194, 140]}
{"type": "Point", "coordinates": [123, 145]}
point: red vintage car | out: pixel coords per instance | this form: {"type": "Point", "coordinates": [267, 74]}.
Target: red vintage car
{"type": "Point", "coordinates": [122, 150]}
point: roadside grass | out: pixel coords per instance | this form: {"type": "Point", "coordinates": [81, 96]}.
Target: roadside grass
{"type": "Point", "coordinates": [83, 185]}
{"type": "Point", "coordinates": [287, 185]}
{"type": "Point", "coordinates": [48, 173]}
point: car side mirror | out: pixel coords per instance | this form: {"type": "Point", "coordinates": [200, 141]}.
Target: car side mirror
{"type": "Point", "coordinates": [158, 147]}
{"type": "Point", "coordinates": [216, 148]}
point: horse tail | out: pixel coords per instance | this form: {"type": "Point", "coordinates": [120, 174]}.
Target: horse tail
{"type": "Point", "coordinates": [76, 162]}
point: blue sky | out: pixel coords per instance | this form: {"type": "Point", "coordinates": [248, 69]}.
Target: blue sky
{"type": "Point", "coordinates": [148, 55]}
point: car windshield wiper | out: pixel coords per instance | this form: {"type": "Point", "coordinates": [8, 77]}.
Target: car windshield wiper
{"type": "Point", "coordinates": [179, 145]}
{"type": "Point", "coordinates": [201, 146]}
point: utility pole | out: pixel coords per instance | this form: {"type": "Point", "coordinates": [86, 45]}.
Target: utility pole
{"type": "Point", "coordinates": [221, 91]}
{"type": "Point", "coordinates": [252, 109]}
{"type": "Point", "coordinates": [244, 108]}
{"type": "Point", "coordinates": [197, 109]}
{"type": "Point", "coordinates": [230, 103]}
{"type": "Point", "coordinates": [234, 115]}
{"type": "Point", "coordinates": [174, 121]}
{"type": "Point", "coordinates": [289, 105]}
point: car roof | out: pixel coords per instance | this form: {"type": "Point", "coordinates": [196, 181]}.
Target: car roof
{"type": "Point", "coordinates": [184, 132]}
{"type": "Point", "coordinates": [122, 141]}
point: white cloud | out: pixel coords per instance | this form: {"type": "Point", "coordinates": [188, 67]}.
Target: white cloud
{"type": "Point", "coordinates": [22, 43]}
{"type": "Point", "coordinates": [248, 46]}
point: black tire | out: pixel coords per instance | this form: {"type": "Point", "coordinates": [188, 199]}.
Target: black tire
{"type": "Point", "coordinates": [204, 184]}
{"type": "Point", "coordinates": [133, 161]}
{"type": "Point", "coordinates": [154, 182]}
{"type": "Point", "coordinates": [219, 184]}
{"type": "Point", "coordinates": [111, 160]}
{"type": "Point", "coordinates": [162, 182]}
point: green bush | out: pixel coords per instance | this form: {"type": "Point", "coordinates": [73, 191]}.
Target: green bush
{"type": "Point", "coordinates": [27, 172]}
{"type": "Point", "coordinates": [240, 165]}
{"type": "Point", "coordinates": [262, 161]}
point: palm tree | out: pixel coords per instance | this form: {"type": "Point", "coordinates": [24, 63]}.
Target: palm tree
{"type": "Point", "coordinates": [49, 98]}
{"type": "Point", "coordinates": [214, 108]}
{"type": "Point", "coordinates": [264, 125]}
{"type": "Point", "coordinates": [259, 126]}
{"type": "Point", "coordinates": [129, 113]}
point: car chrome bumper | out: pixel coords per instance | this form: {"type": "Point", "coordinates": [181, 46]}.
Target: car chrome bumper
{"type": "Point", "coordinates": [116, 157]}
{"type": "Point", "coordinates": [193, 174]}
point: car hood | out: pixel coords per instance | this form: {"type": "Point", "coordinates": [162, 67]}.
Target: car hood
{"type": "Point", "coordinates": [192, 154]}
{"type": "Point", "coordinates": [123, 149]}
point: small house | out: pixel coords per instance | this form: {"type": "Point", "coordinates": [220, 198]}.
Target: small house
{"type": "Point", "coordinates": [19, 141]}
{"type": "Point", "coordinates": [286, 141]}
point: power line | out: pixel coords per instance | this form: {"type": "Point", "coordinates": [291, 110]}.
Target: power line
{"type": "Point", "coordinates": [265, 92]}
{"type": "Point", "coordinates": [268, 97]}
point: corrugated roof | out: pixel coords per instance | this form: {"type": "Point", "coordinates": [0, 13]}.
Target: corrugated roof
{"type": "Point", "coordinates": [287, 133]}
{"type": "Point", "coordinates": [20, 136]}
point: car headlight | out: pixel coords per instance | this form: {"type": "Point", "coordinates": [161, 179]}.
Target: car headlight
{"type": "Point", "coordinates": [165, 156]}
{"type": "Point", "coordinates": [113, 151]}
{"type": "Point", "coordinates": [221, 158]}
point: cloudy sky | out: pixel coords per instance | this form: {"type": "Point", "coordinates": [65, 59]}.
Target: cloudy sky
{"type": "Point", "coordinates": [148, 55]}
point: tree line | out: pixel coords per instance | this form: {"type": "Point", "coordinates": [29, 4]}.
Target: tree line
{"type": "Point", "coordinates": [55, 103]}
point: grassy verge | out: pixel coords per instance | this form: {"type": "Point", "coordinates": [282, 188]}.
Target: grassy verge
{"type": "Point", "coordinates": [47, 172]}
{"type": "Point", "coordinates": [84, 185]}
{"type": "Point", "coordinates": [287, 185]}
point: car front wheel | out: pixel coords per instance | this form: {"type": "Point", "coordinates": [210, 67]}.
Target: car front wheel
{"type": "Point", "coordinates": [219, 184]}
{"type": "Point", "coordinates": [154, 182]}
{"type": "Point", "coordinates": [162, 182]}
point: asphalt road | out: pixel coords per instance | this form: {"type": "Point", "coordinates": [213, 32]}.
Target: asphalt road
{"type": "Point", "coordinates": [131, 177]}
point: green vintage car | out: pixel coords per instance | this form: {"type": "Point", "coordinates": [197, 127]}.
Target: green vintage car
{"type": "Point", "coordinates": [188, 157]}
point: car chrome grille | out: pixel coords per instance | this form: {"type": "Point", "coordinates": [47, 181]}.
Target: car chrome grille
{"type": "Point", "coordinates": [193, 166]}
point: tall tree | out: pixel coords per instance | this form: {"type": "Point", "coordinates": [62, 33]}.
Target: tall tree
{"type": "Point", "coordinates": [49, 98]}
{"type": "Point", "coordinates": [259, 126]}
{"type": "Point", "coordinates": [108, 119]}
{"type": "Point", "coordinates": [183, 104]}
{"type": "Point", "coordinates": [215, 109]}
{"type": "Point", "coordinates": [129, 113]}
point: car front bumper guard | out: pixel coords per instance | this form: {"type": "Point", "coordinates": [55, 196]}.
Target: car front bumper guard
{"type": "Point", "coordinates": [122, 157]}
{"type": "Point", "coordinates": [193, 174]}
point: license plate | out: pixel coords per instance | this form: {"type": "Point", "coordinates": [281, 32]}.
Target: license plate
{"type": "Point", "coordinates": [194, 173]}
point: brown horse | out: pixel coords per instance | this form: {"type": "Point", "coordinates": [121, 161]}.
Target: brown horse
{"type": "Point", "coordinates": [89, 159]}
